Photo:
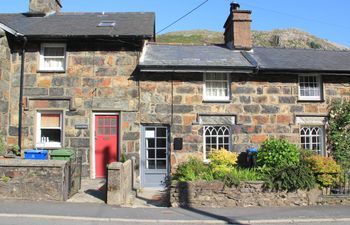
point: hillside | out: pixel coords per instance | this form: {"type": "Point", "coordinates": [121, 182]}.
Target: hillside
{"type": "Point", "coordinates": [284, 38]}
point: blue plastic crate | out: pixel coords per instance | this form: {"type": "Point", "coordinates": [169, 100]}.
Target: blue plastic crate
{"type": "Point", "coordinates": [36, 154]}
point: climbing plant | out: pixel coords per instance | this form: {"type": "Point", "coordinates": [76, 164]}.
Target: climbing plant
{"type": "Point", "coordinates": [339, 133]}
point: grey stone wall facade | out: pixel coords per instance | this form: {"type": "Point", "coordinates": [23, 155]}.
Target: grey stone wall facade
{"type": "Point", "coordinates": [264, 105]}
{"type": "Point", "coordinates": [98, 78]}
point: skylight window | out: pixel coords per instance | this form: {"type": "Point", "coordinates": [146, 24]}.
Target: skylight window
{"type": "Point", "coordinates": [106, 23]}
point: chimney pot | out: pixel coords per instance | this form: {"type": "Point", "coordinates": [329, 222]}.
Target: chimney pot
{"type": "Point", "coordinates": [235, 6]}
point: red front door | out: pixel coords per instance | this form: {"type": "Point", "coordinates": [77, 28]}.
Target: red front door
{"type": "Point", "coordinates": [106, 142]}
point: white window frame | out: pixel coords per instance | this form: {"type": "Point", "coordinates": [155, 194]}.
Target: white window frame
{"type": "Point", "coordinates": [320, 136]}
{"type": "Point", "coordinates": [39, 143]}
{"type": "Point", "coordinates": [319, 86]}
{"type": "Point", "coordinates": [217, 128]}
{"type": "Point", "coordinates": [42, 57]}
{"type": "Point", "coordinates": [216, 98]}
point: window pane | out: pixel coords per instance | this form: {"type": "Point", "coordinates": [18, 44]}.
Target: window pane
{"type": "Point", "coordinates": [50, 135]}
{"type": "Point", "coordinates": [100, 121]}
{"type": "Point", "coordinates": [113, 130]}
{"type": "Point", "coordinates": [54, 51]}
{"type": "Point", "coordinates": [150, 143]}
{"type": "Point", "coordinates": [107, 121]}
{"type": "Point", "coordinates": [151, 164]}
{"type": "Point", "coordinates": [53, 63]}
{"type": "Point", "coordinates": [161, 143]}
{"type": "Point", "coordinates": [106, 131]}
{"type": "Point", "coordinates": [161, 164]}
{"type": "Point", "coordinates": [161, 153]}
{"type": "Point", "coordinates": [151, 153]}
{"type": "Point", "coordinates": [161, 132]}
{"type": "Point", "coordinates": [100, 130]}
{"type": "Point", "coordinates": [50, 120]}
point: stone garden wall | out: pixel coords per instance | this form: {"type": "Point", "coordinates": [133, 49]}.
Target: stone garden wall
{"type": "Point", "coordinates": [34, 180]}
{"type": "Point", "coordinates": [264, 105]}
{"type": "Point", "coordinates": [248, 194]}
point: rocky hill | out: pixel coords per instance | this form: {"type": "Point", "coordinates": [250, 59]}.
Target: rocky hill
{"type": "Point", "coordinates": [284, 38]}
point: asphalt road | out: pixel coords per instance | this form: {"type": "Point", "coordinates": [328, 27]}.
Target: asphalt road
{"type": "Point", "coordinates": [53, 213]}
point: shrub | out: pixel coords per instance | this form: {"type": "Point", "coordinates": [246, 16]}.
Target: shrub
{"type": "Point", "coordinates": [223, 157]}
{"type": "Point", "coordinates": [326, 170]}
{"type": "Point", "coordinates": [3, 148]}
{"type": "Point", "coordinates": [339, 135]}
{"type": "Point", "coordinates": [277, 154]}
{"type": "Point", "coordinates": [290, 178]}
{"type": "Point", "coordinates": [193, 169]}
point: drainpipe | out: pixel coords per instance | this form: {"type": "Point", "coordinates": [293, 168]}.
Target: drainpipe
{"type": "Point", "coordinates": [20, 106]}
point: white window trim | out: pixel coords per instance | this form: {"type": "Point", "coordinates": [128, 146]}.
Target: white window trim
{"type": "Point", "coordinates": [314, 121]}
{"type": "Point", "coordinates": [216, 98]}
{"type": "Point", "coordinates": [205, 159]}
{"type": "Point", "coordinates": [38, 143]}
{"type": "Point", "coordinates": [42, 57]}
{"type": "Point", "coordinates": [311, 98]}
{"type": "Point", "coordinates": [322, 138]}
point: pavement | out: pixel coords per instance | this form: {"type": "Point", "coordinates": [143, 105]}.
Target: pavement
{"type": "Point", "coordinates": [92, 213]}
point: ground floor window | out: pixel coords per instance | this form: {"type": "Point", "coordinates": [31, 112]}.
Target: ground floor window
{"type": "Point", "coordinates": [49, 130]}
{"type": "Point", "coordinates": [216, 137]}
{"type": "Point", "coordinates": [312, 138]}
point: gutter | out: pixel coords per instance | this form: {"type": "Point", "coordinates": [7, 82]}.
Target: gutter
{"type": "Point", "coordinates": [195, 69]}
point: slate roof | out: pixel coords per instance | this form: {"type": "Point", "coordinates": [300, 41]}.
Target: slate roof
{"type": "Point", "coordinates": [81, 24]}
{"type": "Point", "coordinates": [162, 57]}
{"type": "Point", "coordinates": [302, 59]}
{"type": "Point", "coordinates": [191, 58]}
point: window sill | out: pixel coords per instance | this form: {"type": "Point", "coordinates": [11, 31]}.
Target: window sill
{"type": "Point", "coordinates": [310, 100]}
{"type": "Point", "coordinates": [51, 71]}
{"type": "Point", "coordinates": [216, 101]}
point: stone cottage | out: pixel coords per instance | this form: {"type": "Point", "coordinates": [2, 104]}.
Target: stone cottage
{"type": "Point", "coordinates": [96, 82]}
{"type": "Point", "coordinates": [235, 96]}
{"type": "Point", "coordinates": [66, 81]}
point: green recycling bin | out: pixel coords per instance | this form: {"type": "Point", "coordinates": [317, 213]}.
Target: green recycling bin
{"type": "Point", "coordinates": [62, 154]}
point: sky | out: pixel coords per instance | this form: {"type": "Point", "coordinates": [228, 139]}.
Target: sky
{"type": "Point", "coordinates": [323, 18]}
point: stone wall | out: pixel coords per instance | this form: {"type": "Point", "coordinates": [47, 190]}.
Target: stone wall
{"type": "Point", "coordinates": [248, 194]}
{"type": "Point", "coordinates": [34, 180]}
{"type": "Point", "coordinates": [264, 105]}
{"type": "Point", "coordinates": [119, 183]}
{"type": "Point", "coordinates": [98, 78]}
{"type": "Point", "coordinates": [5, 72]}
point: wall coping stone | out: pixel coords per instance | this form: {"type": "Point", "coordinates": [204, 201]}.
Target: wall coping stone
{"type": "Point", "coordinates": [32, 163]}
{"type": "Point", "coordinates": [117, 165]}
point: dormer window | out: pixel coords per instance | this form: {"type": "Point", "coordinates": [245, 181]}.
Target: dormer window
{"type": "Point", "coordinates": [53, 57]}
{"type": "Point", "coordinates": [216, 87]}
{"type": "Point", "coordinates": [310, 87]}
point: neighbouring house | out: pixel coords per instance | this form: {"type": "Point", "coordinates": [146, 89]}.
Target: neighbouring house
{"type": "Point", "coordinates": [66, 81]}
{"type": "Point", "coordinates": [234, 96]}
{"type": "Point", "coordinates": [96, 82]}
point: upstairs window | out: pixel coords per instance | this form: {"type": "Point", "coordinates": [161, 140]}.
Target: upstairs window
{"type": "Point", "coordinates": [310, 87]}
{"type": "Point", "coordinates": [216, 137]}
{"type": "Point", "coordinates": [53, 57]}
{"type": "Point", "coordinates": [49, 130]}
{"type": "Point", "coordinates": [216, 87]}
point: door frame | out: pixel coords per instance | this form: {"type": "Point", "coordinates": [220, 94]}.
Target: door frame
{"type": "Point", "coordinates": [143, 149]}
{"type": "Point", "coordinates": [92, 153]}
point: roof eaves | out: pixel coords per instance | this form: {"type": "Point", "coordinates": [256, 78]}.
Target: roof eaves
{"type": "Point", "coordinates": [305, 70]}
{"type": "Point", "coordinates": [200, 69]}
{"type": "Point", "coordinates": [10, 30]}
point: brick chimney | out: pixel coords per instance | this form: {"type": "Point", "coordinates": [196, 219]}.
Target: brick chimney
{"type": "Point", "coordinates": [44, 6]}
{"type": "Point", "coordinates": [237, 28]}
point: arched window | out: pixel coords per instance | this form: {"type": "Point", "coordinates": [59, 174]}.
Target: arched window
{"type": "Point", "coordinates": [312, 139]}
{"type": "Point", "coordinates": [216, 137]}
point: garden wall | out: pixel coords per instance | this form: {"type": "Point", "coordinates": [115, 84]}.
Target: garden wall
{"type": "Point", "coordinates": [34, 179]}
{"type": "Point", "coordinates": [120, 182]}
{"type": "Point", "coordinates": [247, 194]}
